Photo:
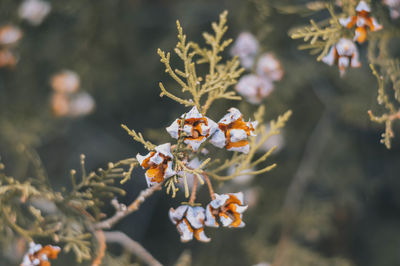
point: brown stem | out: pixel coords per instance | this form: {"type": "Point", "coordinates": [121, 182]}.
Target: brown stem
{"type": "Point", "coordinates": [122, 211]}
{"type": "Point", "coordinates": [102, 248]}
{"type": "Point", "coordinates": [209, 185]}
{"type": "Point", "coordinates": [132, 246]}
{"type": "Point", "coordinates": [395, 116]}
{"type": "Point", "coordinates": [194, 191]}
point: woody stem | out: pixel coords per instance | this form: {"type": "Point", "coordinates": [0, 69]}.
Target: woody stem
{"type": "Point", "coordinates": [194, 190]}
{"type": "Point", "coordinates": [210, 188]}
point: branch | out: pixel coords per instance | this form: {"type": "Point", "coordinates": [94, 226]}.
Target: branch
{"type": "Point", "coordinates": [122, 210]}
{"type": "Point", "coordinates": [102, 248]}
{"type": "Point", "coordinates": [131, 246]}
{"type": "Point", "coordinates": [139, 138]}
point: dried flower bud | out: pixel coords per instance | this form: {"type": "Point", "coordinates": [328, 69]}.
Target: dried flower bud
{"type": "Point", "coordinates": [189, 221]}
{"type": "Point", "coordinates": [196, 127]}
{"type": "Point", "coordinates": [38, 255]}
{"type": "Point", "coordinates": [233, 132]}
{"type": "Point", "coordinates": [226, 209]}
{"type": "Point", "coordinates": [343, 54]}
{"type": "Point", "coordinates": [158, 163]}
{"type": "Point", "coordinates": [362, 20]}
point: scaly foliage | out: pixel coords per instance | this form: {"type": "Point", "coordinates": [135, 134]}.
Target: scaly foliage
{"type": "Point", "coordinates": [219, 78]}
{"type": "Point", "coordinates": [384, 66]}
{"type": "Point", "coordinates": [320, 36]}
{"type": "Point", "coordinates": [33, 209]}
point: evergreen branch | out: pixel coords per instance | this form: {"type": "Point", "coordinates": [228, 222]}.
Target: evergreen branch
{"type": "Point", "coordinates": [387, 118]}
{"type": "Point", "coordinates": [173, 97]}
{"type": "Point", "coordinates": [139, 138]}
{"type": "Point", "coordinates": [78, 243]}
{"type": "Point", "coordinates": [383, 98]}
{"type": "Point", "coordinates": [132, 246]}
{"type": "Point", "coordinates": [122, 210]}
{"type": "Point", "coordinates": [319, 39]}
{"type": "Point", "coordinates": [220, 76]}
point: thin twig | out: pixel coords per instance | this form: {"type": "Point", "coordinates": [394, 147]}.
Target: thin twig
{"type": "Point", "coordinates": [131, 246]}
{"type": "Point", "coordinates": [194, 190]}
{"type": "Point", "coordinates": [102, 248]}
{"type": "Point", "coordinates": [210, 188]}
{"type": "Point", "coordinates": [122, 211]}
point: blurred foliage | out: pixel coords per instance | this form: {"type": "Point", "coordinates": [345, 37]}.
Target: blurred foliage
{"type": "Point", "coordinates": [322, 37]}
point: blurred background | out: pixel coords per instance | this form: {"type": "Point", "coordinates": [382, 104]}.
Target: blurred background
{"type": "Point", "coordinates": [332, 200]}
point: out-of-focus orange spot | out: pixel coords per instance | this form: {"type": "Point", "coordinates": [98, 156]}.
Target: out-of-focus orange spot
{"type": "Point", "coordinates": [66, 82]}
{"type": "Point", "coordinates": [7, 58]}
{"type": "Point", "coordinates": [59, 104]}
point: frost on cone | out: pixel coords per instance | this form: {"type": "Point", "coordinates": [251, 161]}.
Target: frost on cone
{"type": "Point", "coordinates": [158, 164]}
{"type": "Point", "coordinates": [245, 47]}
{"type": "Point", "coordinates": [254, 88]}
{"type": "Point", "coordinates": [362, 21]}
{"type": "Point", "coordinates": [38, 255]}
{"type": "Point", "coordinates": [227, 210]}
{"type": "Point", "coordinates": [190, 222]}
{"type": "Point", "coordinates": [233, 132]}
{"type": "Point", "coordinates": [343, 54]}
{"type": "Point", "coordinates": [196, 127]}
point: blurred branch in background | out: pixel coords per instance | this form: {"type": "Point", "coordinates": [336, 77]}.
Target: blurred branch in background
{"type": "Point", "coordinates": [132, 246]}
{"type": "Point", "coordinates": [313, 152]}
